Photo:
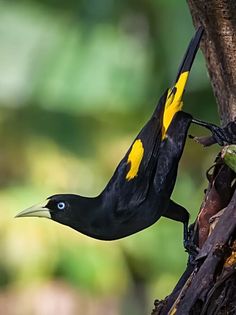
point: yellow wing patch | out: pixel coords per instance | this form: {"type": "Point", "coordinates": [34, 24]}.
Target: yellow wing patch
{"type": "Point", "coordinates": [174, 102]}
{"type": "Point", "coordinates": [134, 159]}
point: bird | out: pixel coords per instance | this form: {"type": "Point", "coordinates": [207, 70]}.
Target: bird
{"type": "Point", "coordinates": [139, 192]}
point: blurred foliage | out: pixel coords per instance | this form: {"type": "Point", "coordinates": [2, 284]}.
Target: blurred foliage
{"type": "Point", "coordinates": [78, 80]}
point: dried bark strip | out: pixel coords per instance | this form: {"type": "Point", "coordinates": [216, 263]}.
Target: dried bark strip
{"type": "Point", "coordinates": [205, 276]}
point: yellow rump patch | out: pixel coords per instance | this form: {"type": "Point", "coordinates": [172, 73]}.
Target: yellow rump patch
{"type": "Point", "coordinates": [135, 158]}
{"type": "Point", "coordinates": [174, 101]}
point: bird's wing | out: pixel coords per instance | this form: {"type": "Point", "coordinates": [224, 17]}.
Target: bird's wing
{"type": "Point", "coordinates": [130, 183]}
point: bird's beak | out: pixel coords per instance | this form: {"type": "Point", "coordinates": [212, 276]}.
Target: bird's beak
{"type": "Point", "coordinates": [39, 210]}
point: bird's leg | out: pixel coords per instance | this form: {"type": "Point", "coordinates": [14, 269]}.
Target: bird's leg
{"type": "Point", "coordinates": [186, 234]}
{"type": "Point", "coordinates": [179, 213]}
{"type": "Point", "coordinates": [218, 133]}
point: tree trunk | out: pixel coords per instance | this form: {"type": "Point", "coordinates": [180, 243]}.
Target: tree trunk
{"type": "Point", "coordinates": [218, 17]}
{"type": "Point", "coordinates": [208, 285]}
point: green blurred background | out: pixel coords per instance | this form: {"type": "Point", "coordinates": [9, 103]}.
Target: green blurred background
{"type": "Point", "coordinates": [78, 81]}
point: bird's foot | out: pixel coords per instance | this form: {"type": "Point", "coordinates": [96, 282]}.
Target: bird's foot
{"type": "Point", "coordinates": [222, 136]}
{"type": "Point", "coordinates": [189, 244]}
{"type": "Point", "coordinates": [192, 250]}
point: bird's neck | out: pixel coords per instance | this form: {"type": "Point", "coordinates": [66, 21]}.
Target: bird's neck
{"type": "Point", "coordinates": [88, 216]}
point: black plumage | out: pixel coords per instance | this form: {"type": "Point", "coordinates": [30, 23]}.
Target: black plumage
{"type": "Point", "coordinates": [139, 192]}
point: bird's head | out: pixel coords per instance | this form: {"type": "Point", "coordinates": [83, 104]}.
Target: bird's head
{"type": "Point", "coordinates": [61, 208]}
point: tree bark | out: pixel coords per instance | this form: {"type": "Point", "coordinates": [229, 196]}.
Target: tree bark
{"type": "Point", "coordinates": [208, 285]}
{"type": "Point", "coordinates": [218, 17]}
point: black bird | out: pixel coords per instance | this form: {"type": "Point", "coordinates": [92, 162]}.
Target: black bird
{"type": "Point", "coordinates": [139, 192]}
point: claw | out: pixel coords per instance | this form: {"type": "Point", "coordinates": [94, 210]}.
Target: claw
{"type": "Point", "coordinates": [189, 245]}
{"type": "Point", "coordinates": [222, 136]}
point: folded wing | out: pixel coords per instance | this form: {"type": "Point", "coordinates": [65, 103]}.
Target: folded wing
{"type": "Point", "coordinates": [131, 180]}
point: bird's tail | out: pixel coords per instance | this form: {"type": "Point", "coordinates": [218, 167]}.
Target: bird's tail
{"type": "Point", "coordinates": [174, 99]}
{"type": "Point", "coordinates": [190, 53]}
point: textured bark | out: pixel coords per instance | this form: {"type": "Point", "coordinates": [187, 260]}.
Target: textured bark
{"type": "Point", "coordinates": [208, 285]}
{"type": "Point", "coordinates": [218, 17]}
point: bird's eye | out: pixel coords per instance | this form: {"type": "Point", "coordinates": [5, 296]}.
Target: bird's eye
{"type": "Point", "coordinates": [61, 205]}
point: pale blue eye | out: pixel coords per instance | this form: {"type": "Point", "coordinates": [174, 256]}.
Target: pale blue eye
{"type": "Point", "coordinates": [61, 205]}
